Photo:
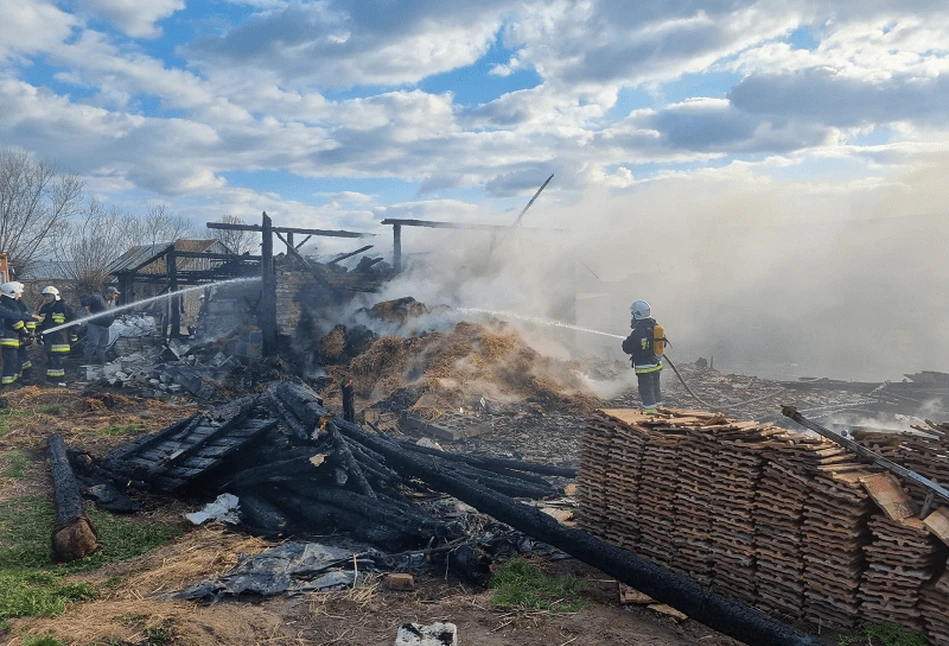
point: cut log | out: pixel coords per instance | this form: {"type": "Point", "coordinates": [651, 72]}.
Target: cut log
{"type": "Point", "coordinates": [74, 535]}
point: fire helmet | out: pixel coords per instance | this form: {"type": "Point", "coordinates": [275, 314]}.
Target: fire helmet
{"type": "Point", "coordinates": [11, 290]}
{"type": "Point", "coordinates": [640, 310]}
{"type": "Point", "coordinates": [51, 291]}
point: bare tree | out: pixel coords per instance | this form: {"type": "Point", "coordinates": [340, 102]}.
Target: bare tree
{"type": "Point", "coordinates": [237, 241]}
{"type": "Point", "coordinates": [159, 225]}
{"type": "Point", "coordinates": [36, 202]}
{"type": "Point", "coordinates": [96, 238]}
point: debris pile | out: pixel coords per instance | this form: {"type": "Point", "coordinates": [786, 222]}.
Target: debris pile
{"type": "Point", "coordinates": [784, 520]}
{"type": "Point", "coordinates": [296, 471]}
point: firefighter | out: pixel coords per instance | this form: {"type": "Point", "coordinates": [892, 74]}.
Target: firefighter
{"type": "Point", "coordinates": [13, 332]}
{"type": "Point", "coordinates": [646, 344]}
{"type": "Point", "coordinates": [26, 366]}
{"type": "Point", "coordinates": [55, 312]}
{"type": "Point", "coordinates": [97, 330]}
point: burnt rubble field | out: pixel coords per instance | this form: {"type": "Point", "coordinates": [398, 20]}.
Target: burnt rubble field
{"type": "Point", "coordinates": [333, 495]}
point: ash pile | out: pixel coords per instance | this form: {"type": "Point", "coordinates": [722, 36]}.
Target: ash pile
{"type": "Point", "coordinates": [296, 471]}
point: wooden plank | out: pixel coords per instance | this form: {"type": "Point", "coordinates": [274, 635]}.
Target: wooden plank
{"type": "Point", "coordinates": [889, 495]}
{"type": "Point", "coordinates": [938, 524]}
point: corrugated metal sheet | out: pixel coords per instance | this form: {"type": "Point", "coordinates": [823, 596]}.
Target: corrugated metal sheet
{"type": "Point", "coordinates": [136, 257]}
{"type": "Point", "coordinates": [149, 259]}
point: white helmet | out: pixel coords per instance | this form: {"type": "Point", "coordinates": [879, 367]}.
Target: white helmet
{"type": "Point", "coordinates": [640, 310]}
{"type": "Point", "coordinates": [11, 290]}
{"type": "Point", "coordinates": [51, 291]}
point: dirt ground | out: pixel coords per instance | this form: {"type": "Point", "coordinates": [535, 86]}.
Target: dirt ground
{"type": "Point", "coordinates": [366, 615]}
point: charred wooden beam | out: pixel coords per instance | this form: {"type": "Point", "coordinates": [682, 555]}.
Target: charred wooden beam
{"type": "Point", "coordinates": [291, 250]}
{"type": "Point", "coordinates": [305, 404]}
{"type": "Point", "coordinates": [326, 233]}
{"type": "Point", "coordinates": [287, 415]}
{"type": "Point", "coordinates": [507, 485]}
{"type": "Point", "coordinates": [259, 516]}
{"type": "Point", "coordinates": [729, 616]}
{"type": "Point", "coordinates": [350, 462]}
{"type": "Point", "coordinates": [485, 462]}
{"type": "Point", "coordinates": [343, 256]}
{"type": "Point", "coordinates": [74, 535]}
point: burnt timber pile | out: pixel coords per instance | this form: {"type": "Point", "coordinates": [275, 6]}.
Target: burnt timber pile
{"type": "Point", "coordinates": [297, 471]}
{"type": "Point", "coordinates": [789, 522]}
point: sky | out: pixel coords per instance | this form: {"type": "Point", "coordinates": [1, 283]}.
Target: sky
{"type": "Point", "coordinates": [749, 125]}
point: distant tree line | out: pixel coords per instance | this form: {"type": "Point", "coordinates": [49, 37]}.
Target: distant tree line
{"type": "Point", "coordinates": [45, 217]}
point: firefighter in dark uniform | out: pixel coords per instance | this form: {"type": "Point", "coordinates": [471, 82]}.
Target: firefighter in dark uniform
{"type": "Point", "coordinates": [646, 344]}
{"type": "Point", "coordinates": [55, 312]}
{"type": "Point", "coordinates": [12, 333]}
{"type": "Point", "coordinates": [26, 366]}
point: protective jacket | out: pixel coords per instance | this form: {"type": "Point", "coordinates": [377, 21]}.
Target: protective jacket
{"type": "Point", "coordinates": [12, 323]}
{"type": "Point", "coordinates": [641, 345]}
{"type": "Point", "coordinates": [56, 313]}
{"type": "Point", "coordinates": [12, 330]}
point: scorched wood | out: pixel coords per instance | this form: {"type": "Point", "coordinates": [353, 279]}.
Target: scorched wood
{"type": "Point", "coordinates": [74, 535]}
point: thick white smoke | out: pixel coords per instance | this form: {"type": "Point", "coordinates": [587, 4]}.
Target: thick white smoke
{"type": "Point", "coordinates": [774, 278]}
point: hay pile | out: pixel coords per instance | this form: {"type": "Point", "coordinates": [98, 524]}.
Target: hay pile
{"type": "Point", "coordinates": [471, 361]}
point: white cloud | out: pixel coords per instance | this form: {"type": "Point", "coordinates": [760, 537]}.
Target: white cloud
{"type": "Point", "coordinates": [347, 43]}
{"type": "Point", "coordinates": [31, 26]}
{"type": "Point", "coordinates": [134, 17]}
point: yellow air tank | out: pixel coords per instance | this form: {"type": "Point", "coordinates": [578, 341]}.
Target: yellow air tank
{"type": "Point", "coordinates": [659, 339]}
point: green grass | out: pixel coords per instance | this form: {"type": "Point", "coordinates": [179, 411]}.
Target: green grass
{"type": "Point", "coordinates": [10, 418]}
{"type": "Point", "coordinates": [521, 585]}
{"type": "Point", "coordinates": [31, 583]}
{"type": "Point", "coordinates": [45, 640]}
{"type": "Point", "coordinates": [17, 464]}
{"type": "Point", "coordinates": [883, 633]}
{"type": "Point", "coordinates": [53, 409]}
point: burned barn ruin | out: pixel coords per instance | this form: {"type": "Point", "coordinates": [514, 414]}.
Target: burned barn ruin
{"type": "Point", "coordinates": [312, 428]}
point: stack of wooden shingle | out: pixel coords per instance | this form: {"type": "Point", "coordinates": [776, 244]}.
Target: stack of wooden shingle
{"type": "Point", "coordinates": [659, 478]}
{"type": "Point", "coordinates": [622, 477]}
{"type": "Point", "coordinates": [900, 560]}
{"type": "Point", "coordinates": [592, 502]}
{"type": "Point", "coordinates": [698, 468]}
{"type": "Point", "coordinates": [736, 476]}
{"type": "Point", "coordinates": [608, 483]}
{"type": "Point", "coordinates": [934, 607]}
{"type": "Point", "coordinates": [786, 481]}
{"type": "Point", "coordinates": [835, 533]}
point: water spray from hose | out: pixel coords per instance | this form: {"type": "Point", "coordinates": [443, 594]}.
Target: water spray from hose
{"type": "Point", "coordinates": [551, 323]}
{"type": "Point", "coordinates": [114, 310]}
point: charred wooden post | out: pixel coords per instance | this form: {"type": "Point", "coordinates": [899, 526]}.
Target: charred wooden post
{"type": "Point", "coordinates": [74, 535]}
{"type": "Point", "coordinates": [268, 300]}
{"type": "Point", "coordinates": [171, 262]}
{"type": "Point", "coordinates": [349, 401]}
{"type": "Point", "coordinates": [729, 616]}
{"type": "Point", "coordinates": [397, 247]}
